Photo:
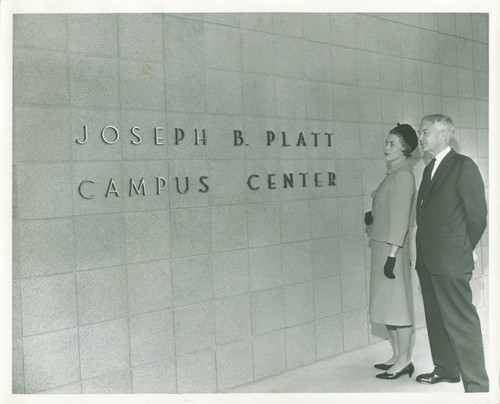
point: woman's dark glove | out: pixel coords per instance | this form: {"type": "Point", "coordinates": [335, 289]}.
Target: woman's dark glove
{"type": "Point", "coordinates": [389, 267]}
{"type": "Point", "coordinates": [368, 218]}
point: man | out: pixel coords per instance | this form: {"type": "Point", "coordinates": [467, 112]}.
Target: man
{"type": "Point", "coordinates": [451, 218]}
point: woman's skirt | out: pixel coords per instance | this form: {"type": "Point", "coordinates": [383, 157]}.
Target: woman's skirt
{"type": "Point", "coordinates": [390, 299]}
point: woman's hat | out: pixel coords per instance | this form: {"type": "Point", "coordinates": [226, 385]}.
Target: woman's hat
{"type": "Point", "coordinates": [408, 133]}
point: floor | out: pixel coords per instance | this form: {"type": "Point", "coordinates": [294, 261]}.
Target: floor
{"type": "Point", "coordinates": [353, 372]}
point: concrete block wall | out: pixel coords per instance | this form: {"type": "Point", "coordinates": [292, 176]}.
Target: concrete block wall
{"type": "Point", "coordinates": [205, 291]}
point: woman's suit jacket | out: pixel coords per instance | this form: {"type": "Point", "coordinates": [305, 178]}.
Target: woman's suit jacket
{"type": "Point", "coordinates": [451, 216]}
{"type": "Point", "coordinates": [392, 207]}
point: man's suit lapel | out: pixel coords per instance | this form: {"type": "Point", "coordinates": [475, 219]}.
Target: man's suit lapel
{"type": "Point", "coordinates": [441, 169]}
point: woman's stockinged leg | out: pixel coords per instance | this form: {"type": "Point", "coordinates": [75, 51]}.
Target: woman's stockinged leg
{"type": "Point", "coordinates": [404, 338]}
{"type": "Point", "coordinates": [393, 337]}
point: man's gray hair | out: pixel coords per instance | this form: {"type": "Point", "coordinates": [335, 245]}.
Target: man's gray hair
{"type": "Point", "coordinates": [444, 122]}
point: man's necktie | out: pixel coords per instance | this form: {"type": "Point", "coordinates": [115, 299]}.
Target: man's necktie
{"type": "Point", "coordinates": [426, 180]}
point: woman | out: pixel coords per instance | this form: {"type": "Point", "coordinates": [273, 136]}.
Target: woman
{"type": "Point", "coordinates": [390, 280]}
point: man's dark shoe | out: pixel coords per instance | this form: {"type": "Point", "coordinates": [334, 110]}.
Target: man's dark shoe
{"type": "Point", "coordinates": [433, 378]}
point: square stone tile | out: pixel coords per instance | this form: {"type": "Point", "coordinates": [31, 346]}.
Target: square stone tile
{"type": "Point", "coordinates": [467, 113]}
{"type": "Point", "coordinates": [345, 106]}
{"type": "Point", "coordinates": [233, 319]}
{"type": "Point", "coordinates": [147, 236]}
{"type": "Point", "coordinates": [351, 213]}
{"type": "Point", "coordinates": [370, 109]}
{"type": "Point", "coordinates": [412, 75]}
{"type": "Point", "coordinates": [482, 114]}
{"type": "Point", "coordinates": [184, 40]}
{"type": "Point", "coordinates": [447, 23]}
{"type": "Point", "coordinates": [343, 65]}
{"type": "Point", "coordinates": [192, 280]}
{"type": "Point", "coordinates": [289, 144]}
{"type": "Point", "coordinates": [392, 106]}
{"type": "Point", "coordinates": [263, 224]}
{"type": "Point", "coordinates": [151, 337]}
{"type": "Point", "coordinates": [318, 61]}
{"type": "Point", "coordinates": [351, 253]}
{"type": "Point", "coordinates": [222, 47]}
{"type": "Point", "coordinates": [51, 360]}
{"type": "Point", "coordinates": [269, 354]}
{"type": "Point", "coordinates": [257, 21]}
{"type": "Point", "coordinates": [268, 312]}
{"type": "Point", "coordinates": [449, 81]}
{"type": "Point", "coordinates": [258, 94]}
{"type": "Point", "coordinates": [196, 372]}
{"type": "Point", "coordinates": [349, 178]}
{"type": "Point", "coordinates": [448, 49]}
{"type": "Point", "coordinates": [46, 247]}
{"type": "Point", "coordinates": [114, 383]}
{"type": "Point", "coordinates": [432, 103]}
{"type": "Point", "coordinates": [93, 33]}
{"type": "Point", "coordinates": [367, 32]}
{"type": "Point", "coordinates": [329, 337]}
{"type": "Point", "coordinates": [190, 232]}
{"type": "Point", "coordinates": [465, 51]}
{"type": "Point", "coordinates": [231, 273]}
{"type": "Point", "coordinates": [316, 26]}
{"type": "Point", "coordinates": [94, 82]}
{"type": "Point", "coordinates": [93, 146]}
{"type": "Point", "coordinates": [464, 25]}
{"type": "Point", "coordinates": [295, 221]}
{"type": "Point", "coordinates": [229, 228]}
{"type": "Point", "coordinates": [29, 66]}
{"type": "Point", "coordinates": [481, 85]}
{"type": "Point", "coordinates": [149, 139]}
{"type": "Point", "coordinates": [194, 328]}
{"type": "Point", "coordinates": [17, 331]}
{"type": "Point", "coordinates": [234, 364]}
{"type": "Point", "coordinates": [412, 108]}
{"type": "Point", "coordinates": [325, 257]}
{"type": "Point", "coordinates": [257, 53]}
{"type": "Point", "coordinates": [390, 37]}
{"type": "Point", "coordinates": [429, 21]}
{"type": "Point", "coordinates": [410, 19]}
{"type": "Point", "coordinates": [98, 187]}
{"type": "Point", "coordinates": [290, 97]}
{"type": "Point", "coordinates": [47, 31]}
{"type": "Point", "coordinates": [141, 36]}
{"type": "Point", "coordinates": [104, 348]}
{"type": "Point", "coordinates": [368, 69]}
{"type": "Point", "coordinates": [155, 378]}
{"type": "Point", "coordinates": [99, 241]}
{"type": "Point", "coordinates": [142, 85]}
{"type": "Point", "coordinates": [185, 86]}
{"type": "Point", "coordinates": [17, 366]}
{"type": "Point", "coordinates": [289, 57]}
{"type": "Point", "coordinates": [353, 291]}
{"type": "Point", "coordinates": [257, 181]}
{"type": "Point", "coordinates": [288, 24]}
{"type": "Point", "coordinates": [299, 304]}
{"type": "Point", "coordinates": [355, 327]}
{"type": "Point", "coordinates": [343, 29]}
{"type": "Point", "coordinates": [410, 42]}
{"type": "Point", "coordinates": [41, 134]}
{"type": "Point", "coordinates": [227, 182]}
{"type": "Point", "coordinates": [300, 345]}
{"type": "Point", "coordinates": [102, 295]}
{"type": "Point", "coordinates": [232, 19]}
{"type": "Point", "coordinates": [347, 140]}
{"type": "Point", "coordinates": [465, 83]}
{"type": "Point", "coordinates": [48, 304]}
{"type": "Point", "coordinates": [324, 218]}
{"type": "Point", "coordinates": [327, 297]}
{"type": "Point", "coordinates": [430, 52]}
{"type": "Point", "coordinates": [74, 388]}
{"type": "Point", "coordinates": [145, 185]}
{"type": "Point", "coordinates": [265, 267]}
{"type": "Point", "coordinates": [149, 287]}
{"type": "Point", "coordinates": [297, 262]}
{"type": "Point", "coordinates": [44, 190]}
{"type": "Point", "coordinates": [319, 100]}
{"type": "Point", "coordinates": [431, 78]}
{"type": "Point", "coordinates": [224, 92]}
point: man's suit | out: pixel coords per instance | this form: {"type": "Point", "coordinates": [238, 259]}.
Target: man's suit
{"type": "Point", "coordinates": [451, 218]}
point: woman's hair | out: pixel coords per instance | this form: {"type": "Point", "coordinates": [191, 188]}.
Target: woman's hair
{"type": "Point", "coordinates": [406, 147]}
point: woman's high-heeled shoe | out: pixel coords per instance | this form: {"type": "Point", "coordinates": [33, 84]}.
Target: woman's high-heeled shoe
{"type": "Point", "coordinates": [383, 366]}
{"type": "Point", "coordinates": [408, 369]}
